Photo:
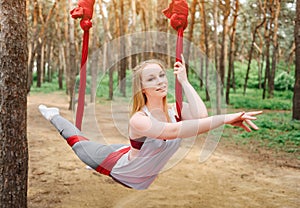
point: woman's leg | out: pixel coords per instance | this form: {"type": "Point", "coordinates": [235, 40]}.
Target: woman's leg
{"type": "Point", "coordinates": [91, 153]}
{"type": "Point", "coordinates": [65, 127]}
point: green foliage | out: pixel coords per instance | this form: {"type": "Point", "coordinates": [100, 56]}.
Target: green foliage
{"type": "Point", "coordinates": [47, 87]}
{"type": "Point", "coordinates": [284, 78]}
{"type": "Point", "coordinates": [284, 81]}
{"type": "Point", "coordinates": [240, 74]}
{"type": "Point", "coordinates": [253, 100]}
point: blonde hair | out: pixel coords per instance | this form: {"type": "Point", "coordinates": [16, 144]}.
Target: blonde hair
{"type": "Point", "coordinates": [139, 98]}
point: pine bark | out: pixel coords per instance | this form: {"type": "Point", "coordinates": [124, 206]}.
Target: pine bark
{"type": "Point", "coordinates": [190, 33]}
{"type": "Point", "coordinates": [267, 35]}
{"type": "Point", "coordinates": [162, 26]}
{"type": "Point", "coordinates": [123, 59]}
{"type": "Point", "coordinates": [275, 14]}
{"type": "Point", "coordinates": [72, 60]}
{"type": "Point", "coordinates": [255, 32]}
{"type": "Point", "coordinates": [223, 53]}
{"type": "Point", "coordinates": [32, 44]}
{"type": "Point", "coordinates": [218, 78]}
{"type": "Point", "coordinates": [13, 103]}
{"type": "Point", "coordinates": [296, 98]}
{"type": "Point", "coordinates": [205, 46]}
{"type": "Point", "coordinates": [231, 52]}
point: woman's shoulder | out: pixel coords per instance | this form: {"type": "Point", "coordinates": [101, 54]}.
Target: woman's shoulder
{"type": "Point", "coordinates": [139, 113]}
{"type": "Point", "coordinates": [138, 123]}
{"type": "Point", "coordinates": [138, 117]}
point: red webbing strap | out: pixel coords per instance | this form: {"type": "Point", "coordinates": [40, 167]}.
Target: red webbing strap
{"type": "Point", "coordinates": [177, 12]}
{"type": "Point", "coordinates": [74, 139]}
{"type": "Point", "coordinates": [85, 12]}
{"type": "Point", "coordinates": [108, 163]}
{"type": "Point", "coordinates": [82, 83]}
{"type": "Point", "coordinates": [178, 87]}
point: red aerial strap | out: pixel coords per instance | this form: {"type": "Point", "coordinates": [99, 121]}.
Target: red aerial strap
{"type": "Point", "coordinates": [85, 12]}
{"type": "Point", "coordinates": [177, 12]}
{"type": "Point", "coordinates": [74, 139]}
{"type": "Point", "coordinates": [109, 162]}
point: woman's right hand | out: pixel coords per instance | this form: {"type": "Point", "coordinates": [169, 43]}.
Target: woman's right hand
{"type": "Point", "coordinates": [180, 70]}
{"type": "Point", "coordinates": [239, 120]}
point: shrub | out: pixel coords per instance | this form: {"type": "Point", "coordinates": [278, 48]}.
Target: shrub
{"type": "Point", "coordinates": [284, 81]}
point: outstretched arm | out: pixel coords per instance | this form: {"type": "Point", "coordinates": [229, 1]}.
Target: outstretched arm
{"type": "Point", "coordinates": [195, 108]}
{"type": "Point", "coordinates": [142, 125]}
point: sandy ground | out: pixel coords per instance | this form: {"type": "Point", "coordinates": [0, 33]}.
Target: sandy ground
{"type": "Point", "coordinates": [232, 177]}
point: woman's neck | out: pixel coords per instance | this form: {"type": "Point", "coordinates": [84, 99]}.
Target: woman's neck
{"type": "Point", "coordinates": [155, 104]}
{"type": "Point", "coordinates": [156, 108]}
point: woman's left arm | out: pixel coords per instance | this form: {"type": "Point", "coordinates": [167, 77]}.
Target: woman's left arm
{"type": "Point", "coordinates": [195, 108]}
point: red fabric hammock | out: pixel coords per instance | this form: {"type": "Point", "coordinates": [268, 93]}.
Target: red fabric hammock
{"type": "Point", "coordinates": [177, 12]}
{"type": "Point", "coordinates": [85, 12]}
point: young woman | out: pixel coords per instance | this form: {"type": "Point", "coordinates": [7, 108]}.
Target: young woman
{"type": "Point", "coordinates": [154, 133]}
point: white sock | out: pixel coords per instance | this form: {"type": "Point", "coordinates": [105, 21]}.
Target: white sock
{"type": "Point", "coordinates": [48, 113]}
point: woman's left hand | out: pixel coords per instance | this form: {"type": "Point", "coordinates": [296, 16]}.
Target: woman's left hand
{"type": "Point", "coordinates": [238, 119]}
{"type": "Point", "coordinates": [180, 70]}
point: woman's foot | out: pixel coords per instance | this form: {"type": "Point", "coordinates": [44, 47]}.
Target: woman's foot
{"type": "Point", "coordinates": [48, 113]}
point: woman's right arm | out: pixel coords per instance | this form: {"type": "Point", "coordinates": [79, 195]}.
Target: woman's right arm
{"type": "Point", "coordinates": [142, 125]}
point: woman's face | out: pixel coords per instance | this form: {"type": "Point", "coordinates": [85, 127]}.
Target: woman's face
{"type": "Point", "coordinates": [154, 81]}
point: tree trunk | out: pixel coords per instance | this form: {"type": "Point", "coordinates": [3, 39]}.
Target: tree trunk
{"type": "Point", "coordinates": [267, 57]}
{"type": "Point", "coordinates": [290, 58]}
{"type": "Point", "coordinates": [218, 78]}
{"type": "Point", "coordinates": [296, 98]}
{"type": "Point", "coordinates": [43, 69]}
{"type": "Point", "coordinates": [66, 53]}
{"type": "Point", "coordinates": [191, 33]}
{"type": "Point", "coordinates": [162, 26]}
{"type": "Point", "coordinates": [133, 29]}
{"type": "Point", "coordinates": [231, 52]}
{"type": "Point", "coordinates": [142, 8]}
{"type": "Point", "coordinates": [259, 61]}
{"type": "Point", "coordinates": [204, 38]}
{"type": "Point", "coordinates": [33, 39]}
{"type": "Point", "coordinates": [123, 59]}
{"type": "Point", "coordinates": [72, 59]}
{"type": "Point", "coordinates": [61, 67]}
{"type": "Point", "coordinates": [108, 37]}
{"type": "Point", "coordinates": [94, 60]}
{"type": "Point", "coordinates": [223, 54]}
{"type": "Point", "coordinates": [49, 62]}
{"type": "Point", "coordinates": [262, 8]}
{"type": "Point", "coordinates": [61, 59]}
{"type": "Point", "coordinates": [275, 48]}
{"type": "Point", "coordinates": [13, 102]}
{"type": "Point", "coordinates": [117, 33]}
{"type": "Point", "coordinates": [38, 65]}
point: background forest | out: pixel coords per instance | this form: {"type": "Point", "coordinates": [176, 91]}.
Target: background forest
{"type": "Point", "coordinates": [250, 44]}
{"type": "Point", "coordinates": [239, 55]}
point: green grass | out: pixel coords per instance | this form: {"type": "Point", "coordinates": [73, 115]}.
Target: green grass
{"type": "Point", "coordinates": [276, 131]}
{"type": "Point", "coordinates": [47, 87]}
{"type": "Point", "coordinates": [253, 100]}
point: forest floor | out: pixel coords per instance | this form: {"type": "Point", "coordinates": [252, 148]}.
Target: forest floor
{"type": "Point", "coordinates": [234, 176]}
